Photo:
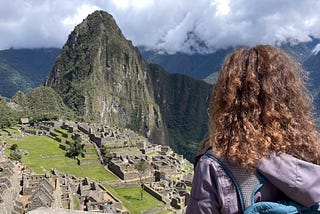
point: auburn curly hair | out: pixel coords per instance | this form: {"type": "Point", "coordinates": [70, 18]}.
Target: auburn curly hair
{"type": "Point", "coordinates": [260, 105]}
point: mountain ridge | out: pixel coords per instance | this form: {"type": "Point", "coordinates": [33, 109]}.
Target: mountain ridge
{"type": "Point", "coordinates": [24, 69]}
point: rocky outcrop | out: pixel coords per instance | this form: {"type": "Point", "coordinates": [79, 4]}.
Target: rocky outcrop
{"type": "Point", "coordinates": [102, 76]}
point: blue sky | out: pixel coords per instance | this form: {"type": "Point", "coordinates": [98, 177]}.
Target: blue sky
{"type": "Point", "coordinates": [180, 25]}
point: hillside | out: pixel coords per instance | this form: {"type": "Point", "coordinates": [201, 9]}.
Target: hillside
{"type": "Point", "coordinates": [183, 103]}
{"type": "Point", "coordinates": [42, 103]}
{"type": "Point", "coordinates": [24, 69]}
{"type": "Point", "coordinates": [312, 64]}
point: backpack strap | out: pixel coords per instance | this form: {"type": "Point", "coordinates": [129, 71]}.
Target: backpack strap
{"type": "Point", "coordinates": [246, 185]}
{"type": "Point", "coordinates": [233, 179]}
{"type": "Point", "coordinates": [249, 182]}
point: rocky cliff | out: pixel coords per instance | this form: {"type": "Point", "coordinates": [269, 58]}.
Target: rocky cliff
{"type": "Point", "coordinates": [184, 103]}
{"type": "Point", "coordinates": [102, 76]}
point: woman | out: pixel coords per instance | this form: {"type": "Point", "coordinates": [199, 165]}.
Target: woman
{"type": "Point", "coordinates": [260, 119]}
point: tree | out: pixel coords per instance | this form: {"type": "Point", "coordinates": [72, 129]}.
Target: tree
{"type": "Point", "coordinates": [106, 155]}
{"type": "Point", "coordinates": [15, 154]}
{"type": "Point", "coordinates": [76, 149]}
{"type": "Point", "coordinates": [141, 168]}
{"type": "Point", "coordinates": [14, 147]}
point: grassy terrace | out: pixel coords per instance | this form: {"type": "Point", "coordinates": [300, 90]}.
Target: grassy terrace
{"type": "Point", "coordinates": [43, 154]}
{"type": "Point", "coordinates": [130, 196]}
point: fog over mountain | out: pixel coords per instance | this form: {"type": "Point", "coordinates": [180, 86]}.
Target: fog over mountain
{"type": "Point", "coordinates": [171, 26]}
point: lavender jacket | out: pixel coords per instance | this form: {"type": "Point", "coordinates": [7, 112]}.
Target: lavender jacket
{"type": "Point", "coordinates": [213, 192]}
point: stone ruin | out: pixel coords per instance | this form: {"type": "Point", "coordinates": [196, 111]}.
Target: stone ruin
{"type": "Point", "coordinates": [173, 193]}
{"type": "Point", "coordinates": [163, 165]}
{"type": "Point", "coordinates": [22, 191]}
{"type": "Point", "coordinates": [109, 136]}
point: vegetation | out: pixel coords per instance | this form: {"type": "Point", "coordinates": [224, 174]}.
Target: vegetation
{"type": "Point", "coordinates": [131, 198]}
{"type": "Point", "coordinates": [14, 147]}
{"type": "Point", "coordinates": [106, 155]}
{"type": "Point", "coordinates": [41, 104]}
{"type": "Point", "coordinates": [15, 153]}
{"type": "Point", "coordinates": [141, 167]}
{"type": "Point", "coordinates": [187, 117]}
{"type": "Point", "coordinates": [8, 116]}
{"type": "Point", "coordinates": [24, 69]}
{"type": "Point", "coordinates": [76, 148]}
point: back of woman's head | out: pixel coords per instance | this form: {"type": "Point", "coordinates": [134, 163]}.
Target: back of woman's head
{"type": "Point", "coordinates": [260, 105]}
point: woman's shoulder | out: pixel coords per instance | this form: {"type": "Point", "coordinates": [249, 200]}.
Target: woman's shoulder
{"type": "Point", "coordinates": [298, 179]}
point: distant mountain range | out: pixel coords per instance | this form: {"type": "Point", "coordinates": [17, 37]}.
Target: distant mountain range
{"type": "Point", "coordinates": [207, 67]}
{"type": "Point", "coordinates": [24, 69]}
{"type": "Point", "coordinates": [101, 77]}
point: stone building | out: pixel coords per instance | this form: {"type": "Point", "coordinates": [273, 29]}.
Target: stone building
{"type": "Point", "coordinates": [22, 191]}
{"type": "Point", "coordinates": [9, 187]}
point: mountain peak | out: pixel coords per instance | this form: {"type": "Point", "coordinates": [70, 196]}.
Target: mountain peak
{"type": "Point", "coordinates": [103, 77]}
{"type": "Point", "coordinates": [99, 20]}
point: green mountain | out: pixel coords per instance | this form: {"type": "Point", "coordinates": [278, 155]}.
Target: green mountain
{"type": "Point", "coordinates": [312, 64]}
{"type": "Point", "coordinates": [24, 69]}
{"type": "Point", "coordinates": [183, 103]}
{"type": "Point", "coordinates": [42, 103]}
{"type": "Point", "coordinates": [206, 66]}
{"type": "Point", "coordinates": [102, 77]}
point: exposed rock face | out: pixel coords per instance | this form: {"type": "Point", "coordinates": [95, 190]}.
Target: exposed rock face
{"type": "Point", "coordinates": [184, 103]}
{"type": "Point", "coordinates": [102, 76]}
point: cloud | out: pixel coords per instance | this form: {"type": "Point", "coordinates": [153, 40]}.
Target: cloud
{"type": "Point", "coordinates": [32, 23]}
{"type": "Point", "coordinates": [181, 25]}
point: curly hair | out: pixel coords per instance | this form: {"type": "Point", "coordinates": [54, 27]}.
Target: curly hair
{"type": "Point", "coordinates": [260, 105]}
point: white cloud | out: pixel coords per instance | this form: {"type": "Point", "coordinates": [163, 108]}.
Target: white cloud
{"type": "Point", "coordinates": [32, 23]}
{"type": "Point", "coordinates": [180, 25]}
{"type": "Point", "coordinates": [80, 13]}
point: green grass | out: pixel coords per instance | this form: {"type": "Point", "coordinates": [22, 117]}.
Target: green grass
{"type": "Point", "coordinates": [63, 131]}
{"type": "Point", "coordinates": [187, 167]}
{"type": "Point", "coordinates": [166, 212]}
{"type": "Point", "coordinates": [44, 153]}
{"type": "Point", "coordinates": [130, 196]}
{"type": "Point", "coordinates": [12, 131]}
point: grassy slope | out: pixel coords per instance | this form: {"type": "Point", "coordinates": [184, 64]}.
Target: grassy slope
{"type": "Point", "coordinates": [44, 153]}
{"type": "Point", "coordinates": [130, 196]}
